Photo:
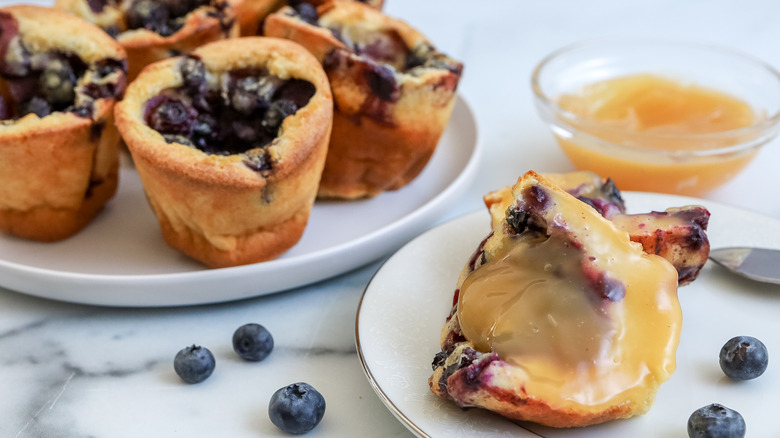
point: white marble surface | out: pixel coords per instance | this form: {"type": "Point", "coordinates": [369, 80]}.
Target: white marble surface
{"type": "Point", "coordinates": [80, 371]}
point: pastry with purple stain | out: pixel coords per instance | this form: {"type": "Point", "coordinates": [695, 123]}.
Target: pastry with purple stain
{"type": "Point", "coordinates": [251, 13]}
{"type": "Point", "coordinates": [678, 234]}
{"type": "Point", "coordinates": [230, 142]}
{"type": "Point", "coordinates": [393, 94]}
{"type": "Point", "coordinates": [558, 318]}
{"type": "Point", "coordinates": [59, 79]}
{"type": "Point", "coordinates": [151, 30]}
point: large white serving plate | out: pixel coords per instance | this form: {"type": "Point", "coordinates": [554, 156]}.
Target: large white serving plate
{"type": "Point", "coordinates": [121, 260]}
{"type": "Point", "coordinates": [404, 307]}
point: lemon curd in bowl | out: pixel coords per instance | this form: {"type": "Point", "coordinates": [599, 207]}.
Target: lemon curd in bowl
{"type": "Point", "coordinates": [658, 116]}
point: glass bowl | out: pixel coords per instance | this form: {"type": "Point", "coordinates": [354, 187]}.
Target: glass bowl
{"type": "Point", "coordinates": [681, 163]}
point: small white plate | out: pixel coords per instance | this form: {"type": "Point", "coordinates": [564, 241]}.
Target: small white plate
{"type": "Point", "coordinates": [404, 306]}
{"type": "Point", "coordinates": [121, 260]}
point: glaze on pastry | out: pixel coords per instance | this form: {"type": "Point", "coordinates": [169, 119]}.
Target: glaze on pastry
{"type": "Point", "coordinates": [151, 30]}
{"type": "Point", "coordinates": [393, 93]}
{"type": "Point", "coordinates": [559, 317]}
{"type": "Point", "coordinates": [677, 234]}
{"type": "Point", "coordinates": [230, 142]}
{"type": "Point", "coordinates": [59, 78]}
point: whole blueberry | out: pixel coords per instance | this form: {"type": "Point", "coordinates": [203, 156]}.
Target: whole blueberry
{"type": "Point", "coordinates": [172, 116]}
{"type": "Point", "coordinates": [296, 408]}
{"type": "Point", "coordinates": [205, 131]}
{"type": "Point", "coordinates": [381, 81]}
{"type": "Point", "coordinates": [58, 81]}
{"type": "Point", "coordinates": [193, 72]}
{"type": "Point", "coordinates": [743, 358]}
{"type": "Point", "coordinates": [6, 110]}
{"type": "Point", "coordinates": [194, 364]}
{"type": "Point", "coordinates": [716, 421]}
{"type": "Point", "coordinates": [97, 6]}
{"type": "Point", "coordinates": [37, 105]}
{"type": "Point", "coordinates": [147, 14]}
{"type": "Point", "coordinates": [253, 342]}
{"type": "Point", "coordinates": [307, 12]}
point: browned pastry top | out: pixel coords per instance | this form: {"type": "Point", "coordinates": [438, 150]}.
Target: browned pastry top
{"type": "Point", "coordinates": [280, 58]}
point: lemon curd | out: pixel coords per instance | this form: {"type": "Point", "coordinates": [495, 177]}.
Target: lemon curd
{"type": "Point", "coordinates": [665, 124]}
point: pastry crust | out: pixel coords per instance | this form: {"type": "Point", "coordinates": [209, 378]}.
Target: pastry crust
{"type": "Point", "coordinates": [473, 377]}
{"type": "Point", "coordinates": [203, 25]}
{"type": "Point", "coordinates": [376, 4]}
{"type": "Point", "coordinates": [213, 207]}
{"type": "Point", "coordinates": [251, 13]}
{"type": "Point", "coordinates": [58, 171]}
{"type": "Point", "coordinates": [379, 142]}
{"type": "Point", "coordinates": [677, 234]}
{"type": "Point", "coordinates": [505, 396]}
{"type": "Point", "coordinates": [45, 29]}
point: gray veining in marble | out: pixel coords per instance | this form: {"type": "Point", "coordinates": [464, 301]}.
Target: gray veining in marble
{"type": "Point", "coordinates": [76, 371]}
{"type": "Point", "coordinates": [79, 371]}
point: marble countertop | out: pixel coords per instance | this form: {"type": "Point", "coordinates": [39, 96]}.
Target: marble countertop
{"type": "Point", "coordinates": [69, 370]}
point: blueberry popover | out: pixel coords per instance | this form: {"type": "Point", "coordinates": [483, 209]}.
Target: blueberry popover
{"type": "Point", "coordinates": [678, 234]}
{"type": "Point", "coordinates": [59, 79]}
{"type": "Point", "coordinates": [230, 142]}
{"type": "Point", "coordinates": [558, 317]}
{"type": "Point", "coordinates": [252, 13]}
{"type": "Point", "coordinates": [151, 30]}
{"type": "Point", "coordinates": [393, 94]}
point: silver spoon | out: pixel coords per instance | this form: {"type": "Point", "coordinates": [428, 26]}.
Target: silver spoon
{"type": "Point", "coordinates": [760, 264]}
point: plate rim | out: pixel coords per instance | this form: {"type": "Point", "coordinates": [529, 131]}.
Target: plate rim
{"type": "Point", "coordinates": [20, 273]}
{"type": "Point", "coordinates": [386, 400]}
{"type": "Point", "coordinates": [471, 216]}
{"type": "Point", "coordinates": [397, 413]}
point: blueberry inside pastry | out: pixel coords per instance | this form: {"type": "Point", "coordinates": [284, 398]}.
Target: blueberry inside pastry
{"type": "Point", "coordinates": [393, 93]}
{"type": "Point", "coordinates": [678, 234]}
{"type": "Point", "coordinates": [59, 79]}
{"type": "Point", "coordinates": [251, 14]}
{"type": "Point", "coordinates": [243, 112]}
{"type": "Point", "coordinates": [558, 317]}
{"type": "Point", "coordinates": [230, 142]}
{"type": "Point", "coordinates": [151, 30]}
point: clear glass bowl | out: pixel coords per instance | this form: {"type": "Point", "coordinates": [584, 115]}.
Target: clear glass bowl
{"type": "Point", "coordinates": [689, 164]}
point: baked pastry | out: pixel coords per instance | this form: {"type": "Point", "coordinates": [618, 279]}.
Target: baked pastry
{"type": "Point", "coordinates": [559, 318]}
{"type": "Point", "coordinates": [251, 13]}
{"type": "Point", "coordinates": [229, 143]}
{"type": "Point", "coordinates": [376, 4]}
{"type": "Point", "coordinates": [393, 93]}
{"type": "Point", "coordinates": [59, 78]}
{"type": "Point", "coordinates": [677, 234]}
{"type": "Point", "coordinates": [151, 30]}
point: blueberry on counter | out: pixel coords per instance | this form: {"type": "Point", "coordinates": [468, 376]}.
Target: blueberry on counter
{"type": "Point", "coordinates": [253, 342]}
{"type": "Point", "coordinates": [743, 358]}
{"type": "Point", "coordinates": [296, 408]}
{"type": "Point", "coordinates": [194, 364]}
{"type": "Point", "coordinates": [716, 421]}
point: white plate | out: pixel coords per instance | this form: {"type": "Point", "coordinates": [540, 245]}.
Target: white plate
{"type": "Point", "coordinates": [405, 304]}
{"type": "Point", "coordinates": [121, 260]}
